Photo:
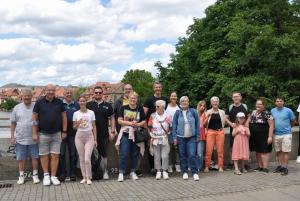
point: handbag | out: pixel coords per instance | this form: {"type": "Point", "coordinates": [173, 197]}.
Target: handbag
{"type": "Point", "coordinates": [141, 134]}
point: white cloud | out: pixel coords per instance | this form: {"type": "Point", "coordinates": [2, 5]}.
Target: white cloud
{"type": "Point", "coordinates": [103, 37]}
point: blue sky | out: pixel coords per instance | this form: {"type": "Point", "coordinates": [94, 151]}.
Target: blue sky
{"type": "Point", "coordinates": [85, 41]}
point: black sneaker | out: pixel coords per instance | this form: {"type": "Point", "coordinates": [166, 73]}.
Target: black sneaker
{"type": "Point", "coordinates": [278, 169]}
{"type": "Point", "coordinates": [62, 178]}
{"type": "Point", "coordinates": [247, 167]}
{"type": "Point", "coordinates": [265, 170]}
{"type": "Point", "coordinates": [138, 173]}
{"type": "Point", "coordinates": [258, 169]}
{"type": "Point", "coordinates": [284, 172]}
{"type": "Point", "coordinates": [73, 178]}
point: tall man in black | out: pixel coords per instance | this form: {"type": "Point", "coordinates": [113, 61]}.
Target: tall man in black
{"type": "Point", "coordinates": [231, 112]}
{"type": "Point", "coordinates": [103, 113]}
{"type": "Point", "coordinates": [149, 108]}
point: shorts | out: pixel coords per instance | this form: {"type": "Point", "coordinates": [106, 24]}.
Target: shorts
{"type": "Point", "coordinates": [25, 151]}
{"type": "Point", "coordinates": [49, 143]}
{"type": "Point", "coordinates": [102, 146]}
{"type": "Point", "coordinates": [283, 143]}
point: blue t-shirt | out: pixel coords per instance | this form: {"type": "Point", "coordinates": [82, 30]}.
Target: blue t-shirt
{"type": "Point", "coordinates": [283, 118]}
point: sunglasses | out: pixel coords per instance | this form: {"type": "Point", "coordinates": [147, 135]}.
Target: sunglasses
{"type": "Point", "coordinates": [98, 92]}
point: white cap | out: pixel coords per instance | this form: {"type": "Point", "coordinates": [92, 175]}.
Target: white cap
{"type": "Point", "coordinates": [240, 115]}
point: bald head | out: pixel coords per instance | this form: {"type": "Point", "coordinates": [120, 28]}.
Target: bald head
{"type": "Point", "coordinates": [50, 91]}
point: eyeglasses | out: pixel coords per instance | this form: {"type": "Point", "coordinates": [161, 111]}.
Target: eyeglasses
{"type": "Point", "coordinates": [98, 92]}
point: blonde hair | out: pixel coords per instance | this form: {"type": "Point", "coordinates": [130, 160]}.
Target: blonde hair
{"type": "Point", "coordinates": [202, 102]}
{"type": "Point", "coordinates": [133, 93]}
{"type": "Point", "coordinates": [214, 98]}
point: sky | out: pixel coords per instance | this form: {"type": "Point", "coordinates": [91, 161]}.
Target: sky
{"type": "Point", "coordinates": [80, 42]}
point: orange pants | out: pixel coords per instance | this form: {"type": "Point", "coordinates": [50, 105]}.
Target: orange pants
{"type": "Point", "coordinates": [214, 138]}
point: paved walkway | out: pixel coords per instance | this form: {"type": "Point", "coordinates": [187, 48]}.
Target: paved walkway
{"type": "Point", "coordinates": [212, 186]}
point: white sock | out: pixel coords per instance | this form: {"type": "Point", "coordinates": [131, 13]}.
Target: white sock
{"type": "Point", "coordinates": [21, 173]}
{"type": "Point", "coordinates": [46, 174]}
{"type": "Point", "coordinates": [34, 172]}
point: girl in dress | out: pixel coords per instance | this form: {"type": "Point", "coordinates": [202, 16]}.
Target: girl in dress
{"type": "Point", "coordinates": [240, 149]}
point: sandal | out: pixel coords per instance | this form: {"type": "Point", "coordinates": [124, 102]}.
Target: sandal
{"type": "Point", "coordinates": [237, 172]}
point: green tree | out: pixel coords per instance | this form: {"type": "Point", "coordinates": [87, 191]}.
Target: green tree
{"type": "Point", "coordinates": [9, 104]}
{"type": "Point", "coordinates": [142, 82]}
{"type": "Point", "coordinates": [252, 46]}
{"type": "Point", "coordinates": [78, 92]}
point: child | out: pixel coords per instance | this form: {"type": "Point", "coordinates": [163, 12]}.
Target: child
{"type": "Point", "coordinates": [240, 149]}
{"type": "Point", "coordinates": [201, 108]}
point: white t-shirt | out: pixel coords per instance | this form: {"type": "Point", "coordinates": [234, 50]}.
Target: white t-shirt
{"type": "Point", "coordinates": [171, 110]}
{"type": "Point", "coordinates": [187, 131]}
{"type": "Point", "coordinates": [86, 119]}
{"type": "Point", "coordinates": [298, 110]}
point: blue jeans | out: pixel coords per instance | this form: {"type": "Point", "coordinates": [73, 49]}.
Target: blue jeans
{"type": "Point", "coordinates": [200, 154]}
{"type": "Point", "coordinates": [128, 147]}
{"type": "Point", "coordinates": [70, 143]}
{"type": "Point", "coordinates": [187, 154]}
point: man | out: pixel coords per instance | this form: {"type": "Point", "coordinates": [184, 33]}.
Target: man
{"type": "Point", "coordinates": [298, 158]}
{"type": "Point", "coordinates": [103, 113]}
{"type": "Point", "coordinates": [120, 102]}
{"type": "Point", "coordinates": [284, 118]}
{"type": "Point", "coordinates": [49, 128]}
{"type": "Point", "coordinates": [70, 106]}
{"type": "Point", "coordinates": [21, 136]}
{"type": "Point", "coordinates": [149, 108]}
{"type": "Point", "coordinates": [231, 113]}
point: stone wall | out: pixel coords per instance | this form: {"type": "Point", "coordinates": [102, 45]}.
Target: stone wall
{"type": "Point", "coordinates": [9, 168]}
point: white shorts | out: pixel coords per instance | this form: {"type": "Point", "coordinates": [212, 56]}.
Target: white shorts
{"type": "Point", "coordinates": [283, 143]}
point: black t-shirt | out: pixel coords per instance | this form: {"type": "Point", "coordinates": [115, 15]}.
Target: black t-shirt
{"type": "Point", "coordinates": [215, 122]}
{"type": "Point", "coordinates": [102, 112]}
{"type": "Point", "coordinates": [234, 110]}
{"type": "Point", "coordinates": [129, 114]}
{"type": "Point", "coordinates": [150, 104]}
{"type": "Point", "coordinates": [49, 115]}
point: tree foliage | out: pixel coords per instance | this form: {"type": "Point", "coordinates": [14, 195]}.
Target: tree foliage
{"type": "Point", "coordinates": [142, 82]}
{"type": "Point", "coordinates": [251, 46]}
{"type": "Point", "coordinates": [77, 93]}
{"type": "Point", "coordinates": [8, 105]}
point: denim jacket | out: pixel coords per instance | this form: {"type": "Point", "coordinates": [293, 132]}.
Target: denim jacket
{"type": "Point", "coordinates": [178, 123]}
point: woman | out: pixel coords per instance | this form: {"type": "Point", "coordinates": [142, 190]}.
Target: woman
{"type": "Point", "coordinates": [215, 133]}
{"type": "Point", "coordinates": [159, 125]}
{"type": "Point", "coordinates": [86, 138]}
{"type": "Point", "coordinates": [131, 117]}
{"type": "Point", "coordinates": [172, 107]}
{"type": "Point", "coordinates": [261, 128]}
{"type": "Point", "coordinates": [185, 134]}
{"type": "Point", "coordinates": [201, 109]}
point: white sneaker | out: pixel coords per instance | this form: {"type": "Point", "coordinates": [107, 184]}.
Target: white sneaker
{"type": "Point", "coordinates": [21, 180]}
{"type": "Point", "coordinates": [133, 176]}
{"type": "Point", "coordinates": [46, 181]}
{"type": "Point", "coordinates": [105, 175]}
{"type": "Point", "coordinates": [185, 176]}
{"type": "Point", "coordinates": [165, 175]}
{"type": "Point", "coordinates": [35, 179]}
{"type": "Point", "coordinates": [55, 181]}
{"type": "Point", "coordinates": [158, 175]}
{"type": "Point", "coordinates": [177, 167]}
{"type": "Point", "coordinates": [170, 169]}
{"type": "Point", "coordinates": [121, 177]}
{"type": "Point", "coordinates": [298, 159]}
{"type": "Point", "coordinates": [196, 177]}
{"type": "Point", "coordinates": [82, 181]}
{"type": "Point", "coordinates": [88, 182]}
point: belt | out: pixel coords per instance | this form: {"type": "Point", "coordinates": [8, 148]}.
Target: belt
{"type": "Point", "coordinates": [216, 129]}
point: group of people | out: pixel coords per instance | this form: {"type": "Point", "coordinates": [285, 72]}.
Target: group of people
{"type": "Point", "coordinates": [181, 138]}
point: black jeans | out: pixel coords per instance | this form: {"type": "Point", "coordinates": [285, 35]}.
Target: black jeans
{"type": "Point", "coordinates": [70, 143]}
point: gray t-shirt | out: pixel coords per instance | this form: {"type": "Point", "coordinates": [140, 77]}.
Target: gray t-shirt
{"type": "Point", "coordinates": [22, 117]}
